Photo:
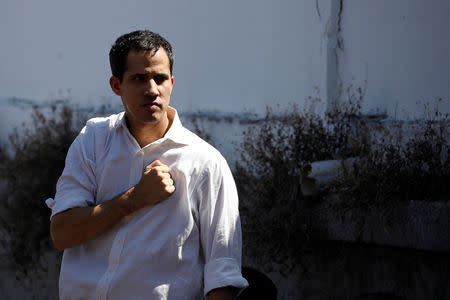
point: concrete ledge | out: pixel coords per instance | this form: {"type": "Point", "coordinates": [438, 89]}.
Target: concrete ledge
{"type": "Point", "coordinates": [416, 224]}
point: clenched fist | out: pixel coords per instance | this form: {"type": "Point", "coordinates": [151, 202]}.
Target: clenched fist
{"type": "Point", "coordinates": [156, 184]}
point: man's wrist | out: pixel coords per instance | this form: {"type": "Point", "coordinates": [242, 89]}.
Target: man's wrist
{"type": "Point", "coordinates": [128, 202]}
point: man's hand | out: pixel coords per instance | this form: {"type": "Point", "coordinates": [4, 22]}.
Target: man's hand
{"type": "Point", "coordinates": [155, 185]}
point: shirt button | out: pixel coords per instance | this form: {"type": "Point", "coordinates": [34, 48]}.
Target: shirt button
{"type": "Point", "coordinates": [140, 154]}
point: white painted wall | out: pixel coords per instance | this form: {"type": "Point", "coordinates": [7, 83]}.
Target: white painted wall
{"type": "Point", "coordinates": [230, 55]}
{"type": "Point", "coordinates": [401, 48]}
{"type": "Point", "coordinates": [234, 55]}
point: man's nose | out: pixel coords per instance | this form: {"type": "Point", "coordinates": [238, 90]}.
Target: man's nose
{"type": "Point", "coordinates": [151, 88]}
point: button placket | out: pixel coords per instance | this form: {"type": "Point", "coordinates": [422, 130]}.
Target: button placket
{"type": "Point", "coordinates": [137, 168]}
{"type": "Point", "coordinates": [117, 246]}
{"type": "Point", "coordinates": [113, 262]}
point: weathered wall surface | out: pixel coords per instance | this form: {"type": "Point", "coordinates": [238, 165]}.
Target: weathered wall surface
{"type": "Point", "coordinates": [398, 50]}
{"type": "Point", "coordinates": [346, 271]}
{"type": "Point", "coordinates": [230, 55]}
{"type": "Point", "coordinates": [419, 225]}
{"type": "Point", "coordinates": [367, 253]}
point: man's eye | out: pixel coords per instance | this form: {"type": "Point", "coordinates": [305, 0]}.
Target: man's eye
{"type": "Point", "coordinates": [140, 77]}
{"type": "Point", "coordinates": [159, 79]}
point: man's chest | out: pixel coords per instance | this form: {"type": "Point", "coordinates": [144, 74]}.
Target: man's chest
{"type": "Point", "coordinates": [121, 166]}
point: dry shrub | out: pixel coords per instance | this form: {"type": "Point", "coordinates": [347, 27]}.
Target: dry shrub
{"type": "Point", "coordinates": [397, 161]}
{"type": "Point", "coordinates": [29, 170]}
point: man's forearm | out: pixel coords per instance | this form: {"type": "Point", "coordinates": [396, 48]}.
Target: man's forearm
{"type": "Point", "coordinates": [78, 225]}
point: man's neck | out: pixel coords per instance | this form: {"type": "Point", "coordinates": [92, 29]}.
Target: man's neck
{"type": "Point", "coordinates": [148, 133]}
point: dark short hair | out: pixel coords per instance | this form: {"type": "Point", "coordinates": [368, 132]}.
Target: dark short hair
{"type": "Point", "coordinates": [137, 40]}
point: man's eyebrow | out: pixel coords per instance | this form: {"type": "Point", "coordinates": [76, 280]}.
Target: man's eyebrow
{"type": "Point", "coordinates": [166, 75]}
{"type": "Point", "coordinates": [145, 74]}
{"type": "Point", "coordinates": [139, 76]}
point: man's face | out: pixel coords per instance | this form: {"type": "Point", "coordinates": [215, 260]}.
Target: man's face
{"type": "Point", "coordinates": [146, 87]}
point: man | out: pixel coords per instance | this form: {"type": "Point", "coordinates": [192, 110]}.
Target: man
{"type": "Point", "coordinates": [144, 208]}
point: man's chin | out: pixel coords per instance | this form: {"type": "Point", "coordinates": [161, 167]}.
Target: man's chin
{"type": "Point", "coordinates": [149, 118]}
{"type": "Point", "coordinates": [154, 118]}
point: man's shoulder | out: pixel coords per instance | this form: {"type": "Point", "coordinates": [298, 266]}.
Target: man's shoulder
{"type": "Point", "coordinates": [201, 153]}
{"type": "Point", "coordinates": [97, 132]}
{"type": "Point", "coordinates": [105, 123]}
{"type": "Point", "coordinates": [200, 145]}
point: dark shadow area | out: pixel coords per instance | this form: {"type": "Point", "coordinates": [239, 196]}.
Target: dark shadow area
{"type": "Point", "coordinates": [260, 286]}
{"type": "Point", "coordinates": [379, 296]}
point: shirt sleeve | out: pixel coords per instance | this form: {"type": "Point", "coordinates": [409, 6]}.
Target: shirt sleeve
{"type": "Point", "coordinates": [220, 228]}
{"type": "Point", "coordinates": [76, 186]}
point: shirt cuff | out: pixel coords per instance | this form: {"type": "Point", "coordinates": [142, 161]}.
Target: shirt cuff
{"type": "Point", "coordinates": [60, 206]}
{"type": "Point", "coordinates": [223, 272]}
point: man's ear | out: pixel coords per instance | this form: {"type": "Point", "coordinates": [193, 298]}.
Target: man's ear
{"type": "Point", "coordinates": [114, 82]}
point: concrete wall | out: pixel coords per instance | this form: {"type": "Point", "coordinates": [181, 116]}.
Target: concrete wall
{"type": "Point", "coordinates": [400, 48]}
{"type": "Point", "coordinates": [235, 56]}
{"type": "Point", "coordinates": [346, 271]}
{"type": "Point", "coordinates": [230, 55]}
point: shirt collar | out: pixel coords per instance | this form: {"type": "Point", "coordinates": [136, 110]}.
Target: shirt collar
{"type": "Point", "coordinates": [176, 132]}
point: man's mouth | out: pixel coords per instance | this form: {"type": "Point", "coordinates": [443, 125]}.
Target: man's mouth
{"type": "Point", "coordinates": [154, 105]}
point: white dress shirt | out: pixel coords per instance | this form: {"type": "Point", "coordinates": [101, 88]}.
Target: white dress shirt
{"type": "Point", "coordinates": [166, 251]}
